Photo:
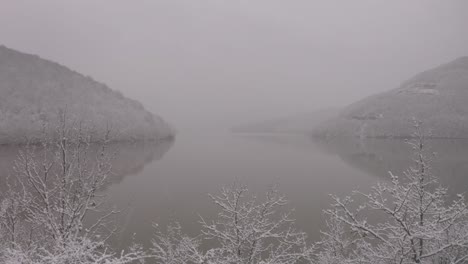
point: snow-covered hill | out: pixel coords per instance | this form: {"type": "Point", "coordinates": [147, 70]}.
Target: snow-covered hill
{"type": "Point", "coordinates": [35, 91]}
{"type": "Point", "coordinates": [437, 97]}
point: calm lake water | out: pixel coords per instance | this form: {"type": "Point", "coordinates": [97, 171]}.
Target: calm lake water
{"type": "Point", "coordinates": [170, 181]}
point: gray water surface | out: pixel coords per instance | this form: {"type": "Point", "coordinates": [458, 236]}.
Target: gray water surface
{"type": "Point", "coordinates": [176, 187]}
{"type": "Point", "coordinates": [170, 181]}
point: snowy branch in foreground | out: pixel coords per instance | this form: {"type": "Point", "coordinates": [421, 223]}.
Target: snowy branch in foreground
{"type": "Point", "coordinates": [53, 193]}
{"type": "Point", "coordinates": [409, 220]}
{"type": "Point", "coordinates": [244, 231]}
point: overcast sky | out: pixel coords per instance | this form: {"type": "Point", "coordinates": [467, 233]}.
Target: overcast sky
{"type": "Point", "coordinates": [206, 63]}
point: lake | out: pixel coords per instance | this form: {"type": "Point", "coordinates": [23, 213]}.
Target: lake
{"type": "Point", "coordinates": [170, 181]}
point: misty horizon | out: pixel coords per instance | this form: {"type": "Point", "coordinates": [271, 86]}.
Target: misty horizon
{"type": "Point", "coordinates": [211, 64]}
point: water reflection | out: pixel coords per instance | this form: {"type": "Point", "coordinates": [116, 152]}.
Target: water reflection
{"type": "Point", "coordinates": [176, 187]}
{"type": "Point", "coordinates": [128, 158]}
{"type": "Point", "coordinates": [379, 156]}
{"type": "Point", "coordinates": [131, 158]}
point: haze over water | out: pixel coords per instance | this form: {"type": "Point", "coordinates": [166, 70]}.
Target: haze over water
{"type": "Point", "coordinates": [176, 187]}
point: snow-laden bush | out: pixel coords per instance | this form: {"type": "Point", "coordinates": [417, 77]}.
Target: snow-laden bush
{"type": "Point", "coordinates": [46, 208]}
{"type": "Point", "coordinates": [245, 230]}
{"type": "Point", "coordinates": [73, 251]}
{"type": "Point", "coordinates": [412, 219]}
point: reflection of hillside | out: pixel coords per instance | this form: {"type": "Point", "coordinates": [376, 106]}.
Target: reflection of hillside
{"type": "Point", "coordinates": [379, 156]}
{"type": "Point", "coordinates": [131, 158]}
{"type": "Point", "coordinates": [128, 158]}
{"type": "Point", "coordinates": [8, 155]}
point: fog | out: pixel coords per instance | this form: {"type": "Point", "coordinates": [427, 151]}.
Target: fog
{"type": "Point", "coordinates": [216, 64]}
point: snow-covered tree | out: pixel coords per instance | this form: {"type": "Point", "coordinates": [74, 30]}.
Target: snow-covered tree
{"type": "Point", "coordinates": [45, 212]}
{"type": "Point", "coordinates": [411, 219]}
{"type": "Point", "coordinates": [73, 251]}
{"type": "Point", "coordinates": [245, 231]}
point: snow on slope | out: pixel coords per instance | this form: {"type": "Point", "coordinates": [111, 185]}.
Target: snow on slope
{"type": "Point", "coordinates": [34, 91]}
{"type": "Point", "coordinates": [437, 97]}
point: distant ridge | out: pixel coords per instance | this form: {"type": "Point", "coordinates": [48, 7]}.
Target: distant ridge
{"type": "Point", "coordinates": [302, 123]}
{"type": "Point", "coordinates": [437, 97]}
{"type": "Point", "coordinates": [34, 91]}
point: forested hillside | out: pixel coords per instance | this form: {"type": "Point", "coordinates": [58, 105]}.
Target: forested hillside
{"type": "Point", "coordinates": [437, 97]}
{"type": "Point", "coordinates": [34, 92]}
